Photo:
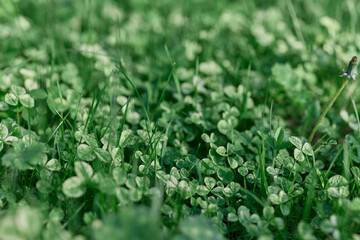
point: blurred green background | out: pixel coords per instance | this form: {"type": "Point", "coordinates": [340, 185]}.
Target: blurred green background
{"type": "Point", "coordinates": [296, 48]}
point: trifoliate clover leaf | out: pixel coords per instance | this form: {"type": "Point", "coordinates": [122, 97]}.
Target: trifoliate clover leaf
{"type": "Point", "coordinates": [202, 190]}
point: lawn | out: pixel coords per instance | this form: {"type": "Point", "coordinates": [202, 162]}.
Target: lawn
{"type": "Point", "coordinates": [184, 120]}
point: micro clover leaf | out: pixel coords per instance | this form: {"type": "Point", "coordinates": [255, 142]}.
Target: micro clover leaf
{"type": "Point", "coordinates": [53, 165]}
{"type": "Point", "coordinates": [17, 90]}
{"type": "Point", "coordinates": [28, 222]}
{"type": "Point", "coordinates": [127, 138]}
{"type": "Point", "coordinates": [298, 155]}
{"type": "Point", "coordinates": [202, 190]}
{"type": "Point", "coordinates": [3, 135]}
{"type": "Point", "coordinates": [225, 174]}
{"type": "Point", "coordinates": [337, 187]}
{"type": "Point", "coordinates": [27, 101]}
{"type": "Point", "coordinates": [119, 176]}
{"type": "Point", "coordinates": [221, 151]}
{"type": "Point", "coordinates": [74, 187]}
{"type": "Point", "coordinates": [296, 142]}
{"type": "Point", "coordinates": [11, 99]}
{"type": "Point", "coordinates": [83, 170]}
{"type": "Point", "coordinates": [38, 94]}
{"type": "Point", "coordinates": [103, 155]}
{"type": "Point", "coordinates": [307, 149]}
{"type": "Point", "coordinates": [268, 212]}
{"type": "Point", "coordinates": [85, 152]}
{"type": "Point", "coordinates": [210, 182]}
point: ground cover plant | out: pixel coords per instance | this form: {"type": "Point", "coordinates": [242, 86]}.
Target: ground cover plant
{"type": "Point", "coordinates": [180, 120]}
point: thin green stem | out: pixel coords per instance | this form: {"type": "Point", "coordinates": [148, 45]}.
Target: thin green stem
{"type": "Point", "coordinates": [327, 109]}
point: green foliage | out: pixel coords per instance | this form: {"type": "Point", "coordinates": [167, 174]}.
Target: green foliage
{"type": "Point", "coordinates": [177, 120]}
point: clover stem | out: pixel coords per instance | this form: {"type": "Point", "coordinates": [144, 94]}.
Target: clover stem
{"type": "Point", "coordinates": [326, 110]}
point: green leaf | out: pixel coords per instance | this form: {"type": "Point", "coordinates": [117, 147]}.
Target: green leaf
{"type": "Point", "coordinates": [27, 101]}
{"type": "Point", "coordinates": [74, 187]}
{"type": "Point", "coordinates": [53, 165]}
{"type": "Point", "coordinates": [127, 138]}
{"type": "Point", "coordinates": [355, 205]}
{"type": "Point", "coordinates": [272, 171]}
{"type": "Point", "coordinates": [83, 170]}
{"type": "Point", "coordinates": [230, 148]}
{"type": "Point", "coordinates": [280, 223]}
{"type": "Point", "coordinates": [232, 217]}
{"type": "Point", "coordinates": [296, 141]}
{"type": "Point", "coordinates": [268, 212]}
{"type": "Point", "coordinates": [244, 215]}
{"type": "Point", "coordinates": [279, 136]}
{"type": "Point", "coordinates": [122, 194]}
{"type": "Point", "coordinates": [17, 90]}
{"type": "Point", "coordinates": [202, 190]}
{"type": "Point", "coordinates": [223, 126]}
{"type": "Point", "coordinates": [85, 152]}
{"type": "Point", "coordinates": [28, 222]}
{"type": "Point", "coordinates": [106, 185]}
{"type": "Point", "coordinates": [38, 94]}
{"type": "Point", "coordinates": [274, 199]}
{"type": "Point", "coordinates": [326, 226]}
{"type": "Point", "coordinates": [221, 151]}
{"type": "Point", "coordinates": [307, 149]}
{"type": "Point", "coordinates": [285, 209]}
{"type": "Point", "coordinates": [337, 187]}
{"type": "Point", "coordinates": [44, 186]}
{"type": "Point", "coordinates": [243, 171]}
{"type": "Point", "coordinates": [11, 99]}
{"type": "Point", "coordinates": [234, 187]}
{"type": "Point", "coordinates": [283, 197]}
{"type": "Point", "coordinates": [103, 155]}
{"type": "Point", "coordinates": [225, 174]}
{"type": "Point", "coordinates": [4, 132]}
{"type": "Point", "coordinates": [56, 214]}
{"type": "Point", "coordinates": [210, 182]}
{"type": "Point", "coordinates": [205, 138]}
{"type": "Point", "coordinates": [119, 176]}
{"type": "Point", "coordinates": [298, 155]}
{"type": "Point", "coordinates": [233, 163]}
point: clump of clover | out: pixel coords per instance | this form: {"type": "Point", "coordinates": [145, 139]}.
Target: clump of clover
{"type": "Point", "coordinates": [18, 94]}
